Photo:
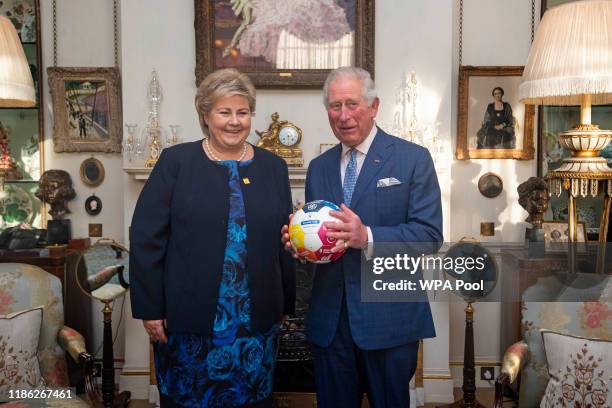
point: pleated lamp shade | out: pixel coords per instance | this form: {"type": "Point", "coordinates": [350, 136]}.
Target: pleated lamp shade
{"type": "Point", "coordinates": [571, 55]}
{"type": "Point", "coordinates": [16, 85]}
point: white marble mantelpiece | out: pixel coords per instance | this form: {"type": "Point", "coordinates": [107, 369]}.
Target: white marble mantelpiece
{"type": "Point", "coordinates": [138, 173]}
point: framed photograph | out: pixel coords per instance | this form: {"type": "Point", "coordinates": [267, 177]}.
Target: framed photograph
{"type": "Point", "coordinates": [556, 236]}
{"type": "Point", "coordinates": [492, 123]}
{"type": "Point", "coordinates": [93, 205]}
{"type": "Point", "coordinates": [95, 230]}
{"type": "Point", "coordinates": [86, 109]}
{"type": "Point", "coordinates": [92, 172]}
{"type": "Point", "coordinates": [284, 45]}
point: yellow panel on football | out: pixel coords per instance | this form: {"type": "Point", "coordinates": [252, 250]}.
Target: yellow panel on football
{"type": "Point", "coordinates": [296, 234]}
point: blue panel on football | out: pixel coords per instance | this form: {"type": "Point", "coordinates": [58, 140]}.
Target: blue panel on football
{"type": "Point", "coordinates": [316, 205]}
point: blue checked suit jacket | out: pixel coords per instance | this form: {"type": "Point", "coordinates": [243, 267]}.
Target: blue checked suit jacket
{"type": "Point", "coordinates": [408, 212]}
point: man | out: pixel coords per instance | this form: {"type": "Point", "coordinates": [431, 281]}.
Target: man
{"type": "Point", "coordinates": [389, 193]}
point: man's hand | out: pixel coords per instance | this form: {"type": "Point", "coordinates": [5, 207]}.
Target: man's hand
{"type": "Point", "coordinates": [156, 330]}
{"type": "Point", "coordinates": [285, 239]}
{"type": "Point", "coordinates": [349, 231]}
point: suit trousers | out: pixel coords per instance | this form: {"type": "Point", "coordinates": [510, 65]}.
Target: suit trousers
{"type": "Point", "coordinates": [343, 371]}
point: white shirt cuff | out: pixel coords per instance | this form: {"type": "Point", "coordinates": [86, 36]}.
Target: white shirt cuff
{"type": "Point", "coordinates": [369, 250]}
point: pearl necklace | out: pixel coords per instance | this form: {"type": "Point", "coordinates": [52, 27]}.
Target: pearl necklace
{"type": "Point", "coordinates": [215, 158]}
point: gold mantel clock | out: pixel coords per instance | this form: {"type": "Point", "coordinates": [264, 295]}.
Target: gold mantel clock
{"type": "Point", "coordinates": [282, 138]}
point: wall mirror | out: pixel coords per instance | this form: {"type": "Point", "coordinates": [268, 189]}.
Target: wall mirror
{"type": "Point", "coordinates": [21, 129]}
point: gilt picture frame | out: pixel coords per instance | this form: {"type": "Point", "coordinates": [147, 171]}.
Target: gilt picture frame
{"type": "Point", "coordinates": [485, 131]}
{"type": "Point", "coordinates": [283, 47]}
{"type": "Point", "coordinates": [86, 109]}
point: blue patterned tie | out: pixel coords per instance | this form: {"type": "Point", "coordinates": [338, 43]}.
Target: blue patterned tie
{"type": "Point", "coordinates": [350, 178]}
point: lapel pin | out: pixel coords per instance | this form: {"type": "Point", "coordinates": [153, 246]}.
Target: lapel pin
{"type": "Point", "coordinates": [246, 180]}
{"type": "Point", "coordinates": [376, 161]}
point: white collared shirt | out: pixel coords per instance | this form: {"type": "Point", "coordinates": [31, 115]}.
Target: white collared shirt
{"type": "Point", "coordinates": [362, 150]}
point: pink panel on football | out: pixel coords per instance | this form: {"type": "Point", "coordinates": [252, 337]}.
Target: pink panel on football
{"type": "Point", "coordinates": [325, 241]}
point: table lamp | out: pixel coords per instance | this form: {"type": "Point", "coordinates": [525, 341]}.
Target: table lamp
{"type": "Point", "coordinates": [570, 63]}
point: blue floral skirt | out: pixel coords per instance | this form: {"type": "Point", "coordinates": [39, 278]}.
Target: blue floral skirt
{"type": "Point", "coordinates": [194, 372]}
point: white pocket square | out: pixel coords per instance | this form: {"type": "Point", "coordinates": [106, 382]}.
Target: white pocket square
{"type": "Point", "coordinates": [388, 182]}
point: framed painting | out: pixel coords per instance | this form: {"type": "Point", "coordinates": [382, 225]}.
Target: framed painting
{"type": "Point", "coordinates": [86, 109]}
{"type": "Point", "coordinates": [556, 236]}
{"type": "Point", "coordinates": [492, 123]}
{"type": "Point", "coordinates": [282, 44]}
{"type": "Point", "coordinates": [92, 172]}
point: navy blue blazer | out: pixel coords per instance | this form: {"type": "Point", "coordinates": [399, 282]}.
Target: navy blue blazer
{"type": "Point", "coordinates": [178, 238]}
{"type": "Point", "coordinates": [409, 212]}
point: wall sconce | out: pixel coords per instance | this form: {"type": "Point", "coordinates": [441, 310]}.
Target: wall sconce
{"type": "Point", "coordinates": [405, 121]}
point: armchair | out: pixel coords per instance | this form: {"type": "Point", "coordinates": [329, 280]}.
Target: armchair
{"type": "Point", "coordinates": [25, 286]}
{"type": "Point", "coordinates": [582, 308]}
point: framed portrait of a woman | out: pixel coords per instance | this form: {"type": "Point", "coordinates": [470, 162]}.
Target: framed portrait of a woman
{"type": "Point", "coordinates": [284, 44]}
{"type": "Point", "coordinates": [493, 123]}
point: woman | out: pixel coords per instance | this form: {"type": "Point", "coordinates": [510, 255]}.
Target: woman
{"type": "Point", "coordinates": [209, 277]}
{"type": "Point", "coordinates": [497, 131]}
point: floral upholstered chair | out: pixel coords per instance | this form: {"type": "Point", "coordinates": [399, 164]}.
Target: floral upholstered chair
{"type": "Point", "coordinates": [24, 287]}
{"type": "Point", "coordinates": [582, 308]}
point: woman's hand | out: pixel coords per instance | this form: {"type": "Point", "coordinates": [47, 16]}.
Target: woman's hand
{"type": "Point", "coordinates": [285, 239]}
{"type": "Point", "coordinates": [156, 330]}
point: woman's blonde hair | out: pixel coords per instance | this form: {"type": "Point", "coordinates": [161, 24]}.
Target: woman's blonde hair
{"type": "Point", "coordinates": [219, 84]}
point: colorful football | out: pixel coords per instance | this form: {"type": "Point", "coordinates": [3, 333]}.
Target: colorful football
{"type": "Point", "coordinates": [308, 234]}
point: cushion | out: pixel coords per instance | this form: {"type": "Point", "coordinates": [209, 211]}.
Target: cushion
{"type": "Point", "coordinates": [19, 335]}
{"type": "Point", "coordinates": [580, 370]}
{"type": "Point", "coordinates": [577, 314]}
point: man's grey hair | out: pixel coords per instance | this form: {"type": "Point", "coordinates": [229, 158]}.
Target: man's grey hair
{"type": "Point", "coordinates": [367, 84]}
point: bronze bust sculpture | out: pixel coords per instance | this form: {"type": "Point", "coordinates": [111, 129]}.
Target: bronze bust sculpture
{"type": "Point", "coordinates": [55, 189]}
{"type": "Point", "coordinates": [533, 197]}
